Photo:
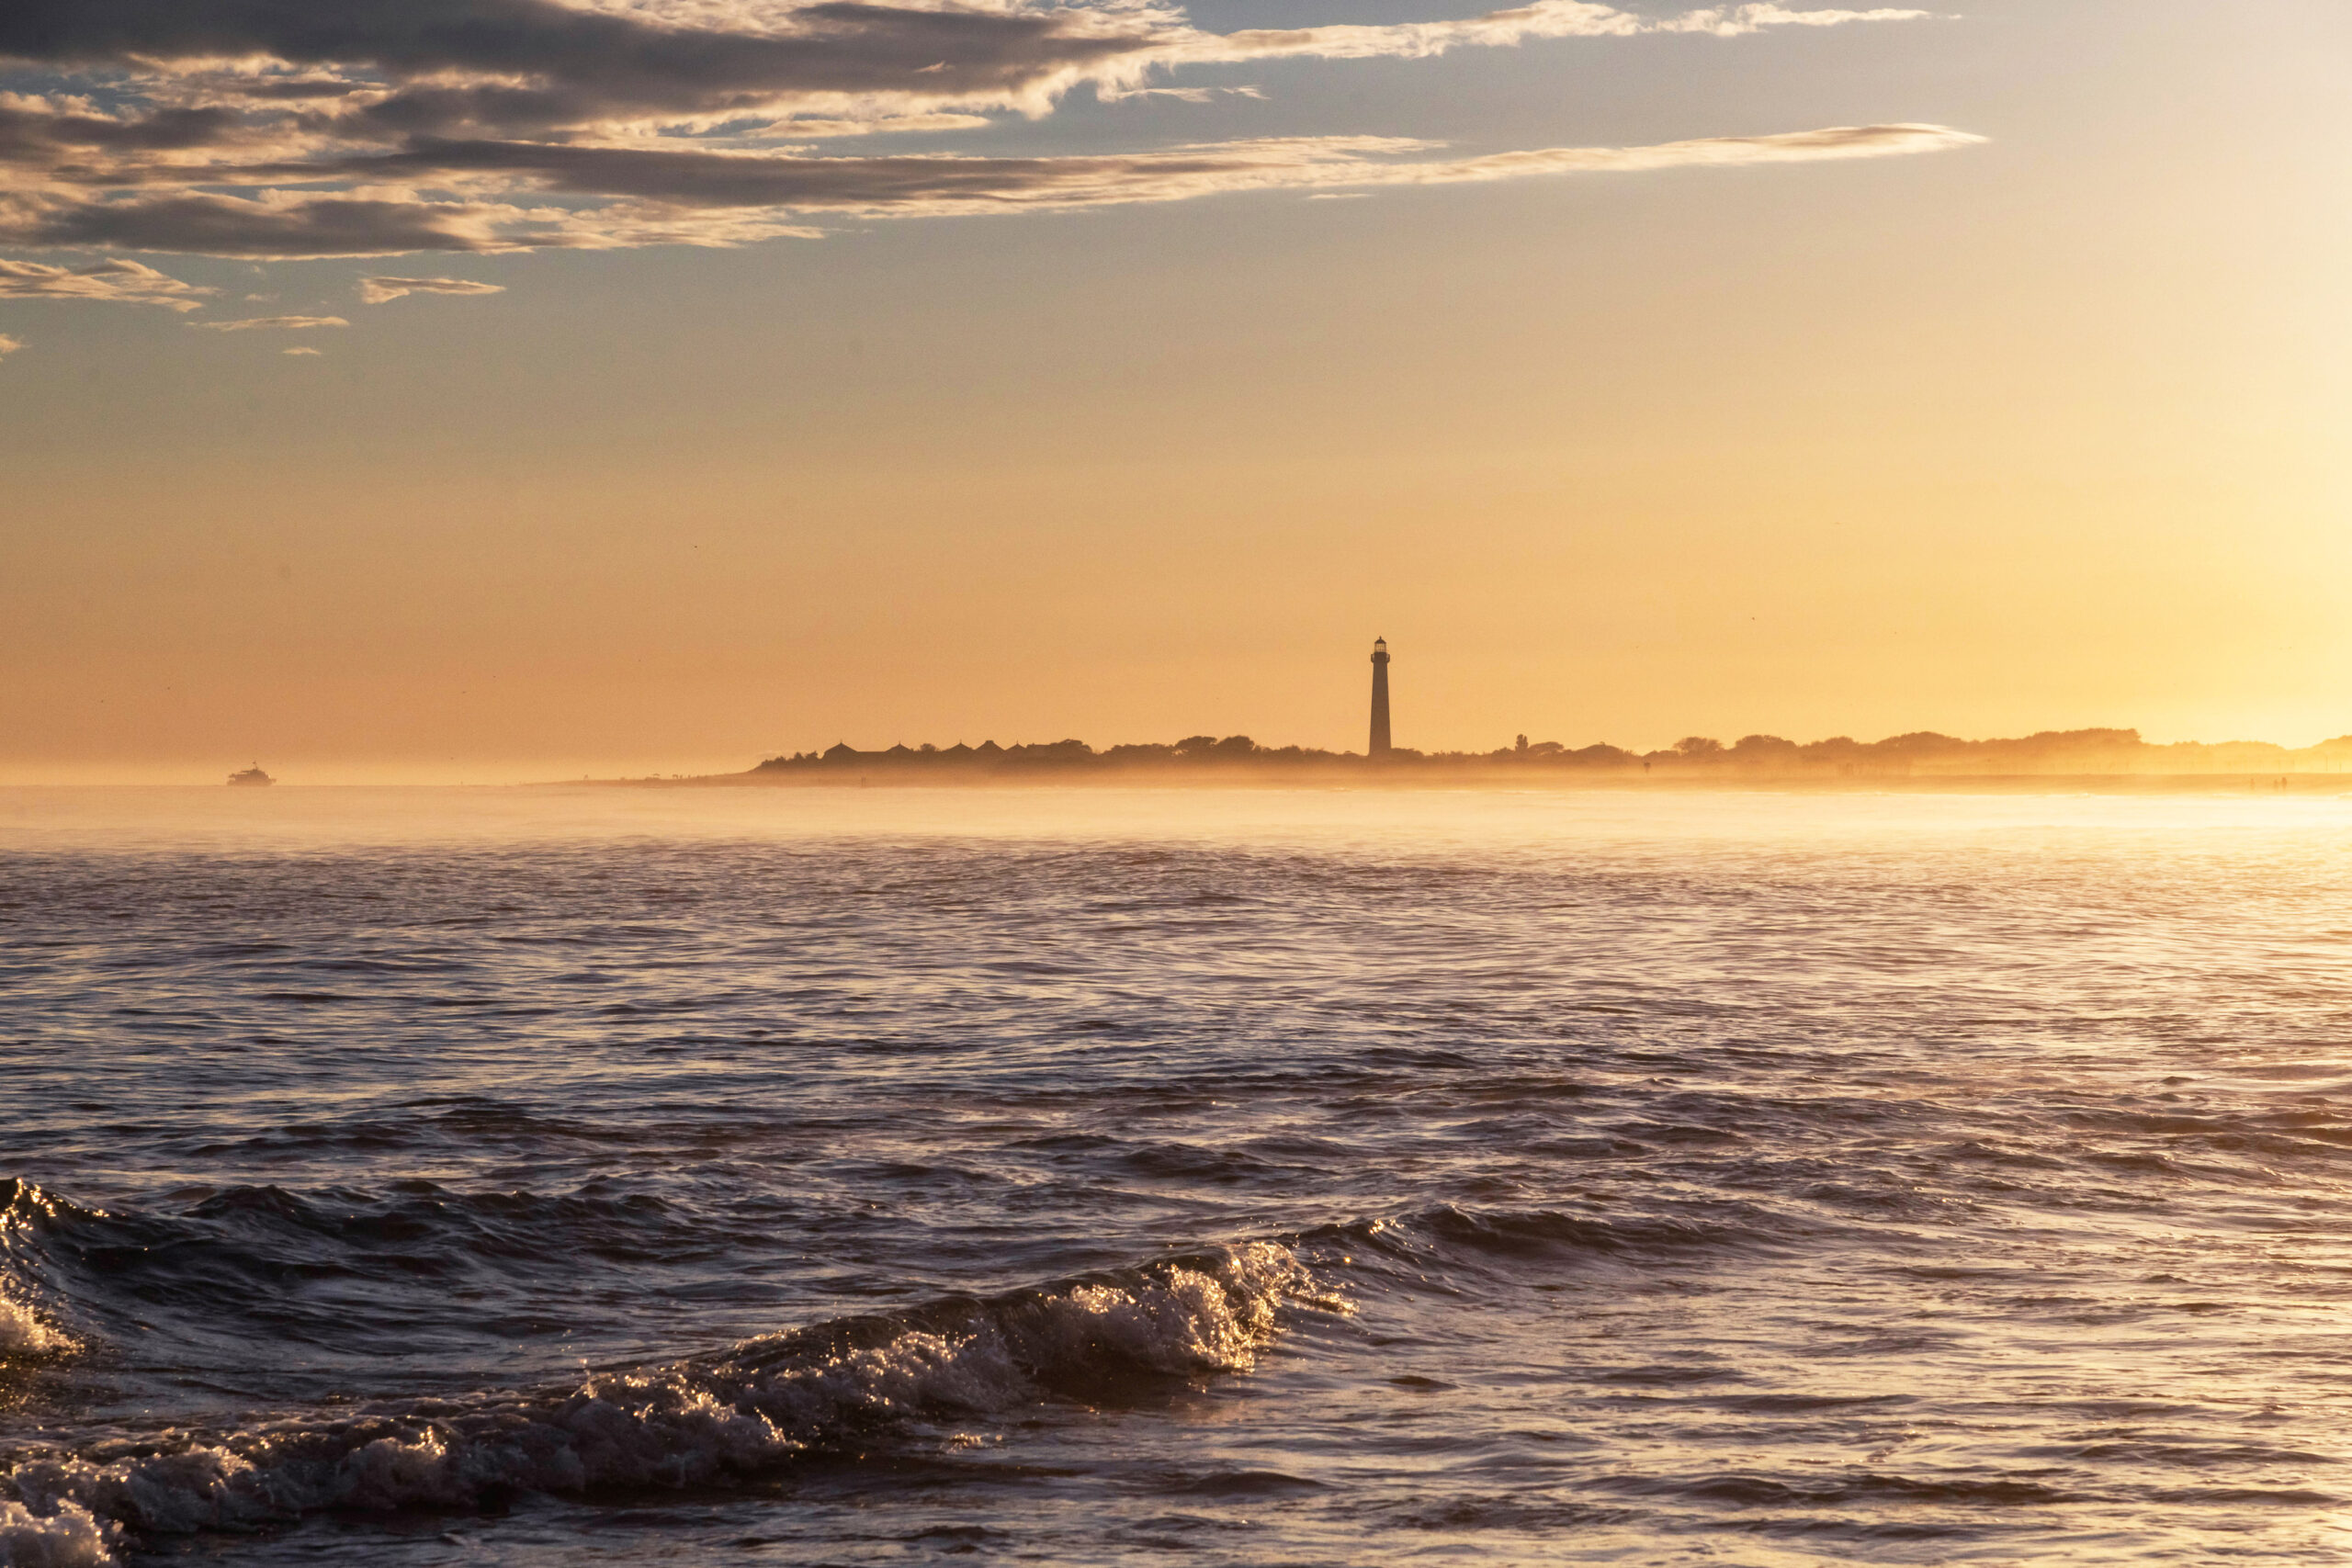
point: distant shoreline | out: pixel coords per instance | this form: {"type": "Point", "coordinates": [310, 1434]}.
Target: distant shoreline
{"type": "Point", "coordinates": [2109, 759]}
{"type": "Point", "coordinates": [2276, 782]}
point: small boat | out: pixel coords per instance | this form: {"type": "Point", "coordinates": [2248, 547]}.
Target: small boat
{"type": "Point", "coordinates": [252, 776]}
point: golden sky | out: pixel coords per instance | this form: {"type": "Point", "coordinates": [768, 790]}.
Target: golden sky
{"type": "Point", "coordinates": [662, 384]}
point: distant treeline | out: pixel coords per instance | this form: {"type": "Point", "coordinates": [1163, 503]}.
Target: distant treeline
{"type": "Point", "coordinates": [1922, 753]}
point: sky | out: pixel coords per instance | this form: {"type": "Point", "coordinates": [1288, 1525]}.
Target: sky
{"type": "Point", "coordinates": [493, 390]}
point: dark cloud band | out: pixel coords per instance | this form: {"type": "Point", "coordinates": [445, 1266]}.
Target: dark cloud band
{"type": "Point", "coordinates": [276, 128]}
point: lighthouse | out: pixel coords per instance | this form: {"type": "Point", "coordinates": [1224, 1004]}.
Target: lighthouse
{"type": "Point", "coordinates": [1379, 697]}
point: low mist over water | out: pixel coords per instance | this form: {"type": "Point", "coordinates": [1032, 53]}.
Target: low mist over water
{"type": "Point", "coordinates": [1093, 1175]}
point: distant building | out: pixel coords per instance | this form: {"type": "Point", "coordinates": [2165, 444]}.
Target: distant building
{"type": "Point", "coordinates": [1380, 745]}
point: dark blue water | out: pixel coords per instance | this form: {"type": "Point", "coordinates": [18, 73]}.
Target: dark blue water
{"type": "Point", "coordinates": [407, 1178]}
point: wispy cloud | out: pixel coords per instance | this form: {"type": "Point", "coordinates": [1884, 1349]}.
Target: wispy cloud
{"type": "Point", "coordinates": [381, 291]}
{"type": "Point", "coordinates": [9, 345]}
{"type": "Point", "coordinates": [1500, 30]}
{"type": "Point", "coordinates": [300, 352]}
{"type": "Point", "coordinates": [701, 189]}
{"type": "Point", "coordinates": [280, 128]}
{"type": "Point", "coordinates": [118, 282]}
{"type": "Point", "coordinates": [1182, 95]}
{"type": "Point", "coordinates": [270, 323]}
{"type": "Point", "coordinates": [1735, 21]}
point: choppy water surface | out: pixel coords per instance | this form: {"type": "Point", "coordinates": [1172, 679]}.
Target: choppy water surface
{"type": "Point", "coordinates": [414, 1177]}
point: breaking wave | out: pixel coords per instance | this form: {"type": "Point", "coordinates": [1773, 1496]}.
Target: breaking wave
{"type": "Point", "coordinates": [24, 1335]}
{"type": "Point", "coordinates": [766, 1402]}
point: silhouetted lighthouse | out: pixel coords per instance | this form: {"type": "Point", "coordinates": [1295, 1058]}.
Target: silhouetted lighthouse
{"type": "Point", "coordinates": [1380, 696]}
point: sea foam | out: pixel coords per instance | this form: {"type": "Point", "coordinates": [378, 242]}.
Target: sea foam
{"type": "Point", "coordinates": [67, 1538]}
{"type": "Point", "coordinates": [23, 1333]}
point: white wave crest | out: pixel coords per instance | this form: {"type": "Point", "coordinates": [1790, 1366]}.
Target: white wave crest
{"type": "Point", "coordinates": [69, 1537]}
{"type": "Point", "coordinates": [22, 1334]}
{"type": "Point", "coordinates": [690, 1423]}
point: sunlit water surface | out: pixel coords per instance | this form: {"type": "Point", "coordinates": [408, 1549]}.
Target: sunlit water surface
{"type": "Point", "coordinates": [415, 1176]}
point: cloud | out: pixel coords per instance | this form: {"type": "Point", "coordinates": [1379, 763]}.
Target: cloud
{"type": "Point", "coordinates": [270, 323]}
{"type": "Point", "coordinates": [686, 182]}
{"type": "Point", "coordinates": [267, 227]}
{"type": "Point", "coordinates": [270, 129]}
{"type": "Point", "coordinates": [439, 66]}
{"type": "Point", "coordinates": [1182, 95]}
{"type": "Point", "coordinates": [9, 345]}
{"type": "Point", "coordinates": [312, 352]}
{"type": "Point", "coordinates": [1499, 29]}
{"type": "Point", "coordinates": [1733, 21]}
{"type": "Point", "coordinates": [379, 290]}
{"type": "Point", "coordinates": [120, 282]}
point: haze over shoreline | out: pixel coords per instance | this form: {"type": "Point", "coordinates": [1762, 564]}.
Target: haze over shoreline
{"type": "Point", "coordinates": [2076, 757]}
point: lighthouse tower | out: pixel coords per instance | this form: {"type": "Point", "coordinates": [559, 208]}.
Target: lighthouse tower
{"type": "Point", "coordinates": [1379, 697]}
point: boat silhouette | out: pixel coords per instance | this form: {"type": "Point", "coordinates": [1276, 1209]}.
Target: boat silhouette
{"type": "Point", "coordinates": [252, 776]}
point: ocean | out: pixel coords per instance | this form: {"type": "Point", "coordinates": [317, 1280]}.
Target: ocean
{"type": "Point", "coordinates": [578, 1176]}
